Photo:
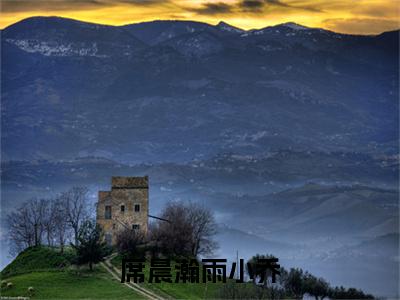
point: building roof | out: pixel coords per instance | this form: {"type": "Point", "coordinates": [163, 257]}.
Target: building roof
{"type": "Point", "coordinates": [120, 182]}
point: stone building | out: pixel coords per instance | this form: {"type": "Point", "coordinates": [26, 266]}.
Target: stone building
{"type": "Point", "coordinates": [125, 206]}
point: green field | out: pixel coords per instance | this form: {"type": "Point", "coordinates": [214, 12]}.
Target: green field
{"type": "Point", "coordinates": [68, 285]}
{"type": "Point", "coordinates": [38, 259]}
{"type": "Point", "coordinates": [52, 276]}
{"type": "Point", "coordinates": [177, 290]}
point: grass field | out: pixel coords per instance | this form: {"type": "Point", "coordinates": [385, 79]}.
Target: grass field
{"type": "Point", "coordinates": [38, 259]}
{"type": "Point", "coordinates": [52, 276]}
{"type": "Point", "coordinates": [68, 285]}
{"type": "Point", "coordinates": [177, 290]}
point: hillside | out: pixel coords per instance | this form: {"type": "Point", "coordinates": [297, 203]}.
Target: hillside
{"type": "Point", "coordinates": [50, 280]}
{"type": "Point", "coordinates": [51, 276]}
{"type": "Point", "coordinates": [37, 259]}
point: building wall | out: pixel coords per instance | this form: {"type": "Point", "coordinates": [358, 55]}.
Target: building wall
{"type": "Point", "coordinates": [126, 191]}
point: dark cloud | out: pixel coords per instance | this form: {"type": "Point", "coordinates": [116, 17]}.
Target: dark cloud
{"type": "Point", "coordinates": [9, 6]}
{"type": "Point", "coordinates": [276, 2]}
{"type": "Point", "coordinates": [283, 4]}
{"type": "Point", "coordinates": [140, 2]}
{"type": "Point", "coordinates": [13, 6]}
{"type": "Point", "coordinates": [259, 5]}
{"type": "Point", "coordinates": [251, 5]}
{"type": "Point", "coordinates": [214, 8]}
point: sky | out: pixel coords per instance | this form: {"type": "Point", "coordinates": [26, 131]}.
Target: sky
{"type": "Point", "coordinates": [347, 16]}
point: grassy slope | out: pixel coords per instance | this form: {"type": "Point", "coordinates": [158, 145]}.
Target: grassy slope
{"type": "Point", "coordinates": [48, 272]}
{"type": "Point", "coordinates": [177, 290]}
{"type": "Point", "coordinates": [37, 258]}
{"type": "Point", "coordinates": [52, 277]}
{"type": "Point", "coordinates": [68, 285]}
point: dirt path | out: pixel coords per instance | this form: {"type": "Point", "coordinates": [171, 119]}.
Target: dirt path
{"type": "Point", "coordinates": [114, 272]}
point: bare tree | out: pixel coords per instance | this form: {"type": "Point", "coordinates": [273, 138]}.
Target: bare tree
{"type": "Point", "coordinates": [203, 229]}
{"type": "Point", "coordinates": [21, 234]}
{"type": "Point", "coordinates": [52, 219]}
{"type": "Point", "coordinates": [48, 220]}
{"type": "Point", "coordinates": [60, 222]}
{"type": "Point", "coordinates": [189, 231]}
{"type": "Point", "coordinates": [36, 212]}
{"type": "Point", "coordinates": [174, 236]}
{"type": "Point", "coordinates": [75, 201]}
{"type": "Point", "coordinates": [26, 226]}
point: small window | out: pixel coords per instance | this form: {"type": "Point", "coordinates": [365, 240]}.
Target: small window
{"type": "Point", "coordinates": [114, 226]}
{"type": "Point", "coordinates": [122, 208]}
{"type": "Point", "coordinates": [108, 212]}
{"type": "Point", "coordinates": [135, 226]}
{"type": "Point", "coordinates": [137, 207]}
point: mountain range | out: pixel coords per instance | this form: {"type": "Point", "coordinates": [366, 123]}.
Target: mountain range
{"type": "Point", "coordinates": [180, 90]}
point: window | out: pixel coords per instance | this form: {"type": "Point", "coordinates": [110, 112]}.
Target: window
{"type": "Point", "coordinates": [137, 207]}
{"type": "Point", "coordinates": [114, 226]}
{"type": "Point", "coordinates": [108, 212]}
{"type": "Point", "coordinates": [122, 208]}
{"type": "Point", "coordinates": [135, 226]}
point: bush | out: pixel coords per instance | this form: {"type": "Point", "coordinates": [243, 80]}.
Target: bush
{"type": "Point", "coordinates": [9, 285]}
{"type": "Point", "coordinates": [232, 290]}
{"type": "Point", "coordinates": [130, 243]}
{"type": "Point", "coordinates": [295, 284]}
{"type": "Point", "coordinates": [91, 248]}
{"type": "Point", "coordinates": [350, 293]}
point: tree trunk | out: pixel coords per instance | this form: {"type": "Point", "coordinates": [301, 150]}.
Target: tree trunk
{"type": "Point", "coordinates": [48, 238]}
{"type": "Point", "coordinates": [90, 266]}
{"type": "Point", "coordinates": [76, 235]}
{"type": "Point", "coordinates": [62, 244]}
{"type": "Point", "coordinates": [36, 235]}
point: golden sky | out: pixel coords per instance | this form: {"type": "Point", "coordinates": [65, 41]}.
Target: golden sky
{"type": "Point", "coordinates": [347, 16]}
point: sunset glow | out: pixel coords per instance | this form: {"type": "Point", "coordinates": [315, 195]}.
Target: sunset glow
{"type": "Point", "coordinates": [347, 16]}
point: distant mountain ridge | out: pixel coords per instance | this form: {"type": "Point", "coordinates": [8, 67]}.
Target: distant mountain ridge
{"type": "Point", "coordinates": [150, 33]}
{"type": "Point", "coordinates": [190, 25]}
{"type": "Point", "coordinates": [179, 90]}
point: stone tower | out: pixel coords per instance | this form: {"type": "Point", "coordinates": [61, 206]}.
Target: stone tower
{"type": "Point", "coordinates": [125, 206]}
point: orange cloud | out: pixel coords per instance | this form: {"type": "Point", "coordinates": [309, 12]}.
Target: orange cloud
{"type": "Point", "coordinates": [360, 26]}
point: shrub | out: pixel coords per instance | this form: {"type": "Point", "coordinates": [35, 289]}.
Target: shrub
{"type": "Point", "coordinates": [128, 243]}
{"type": "Point", "coordinates": [90, 249]}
